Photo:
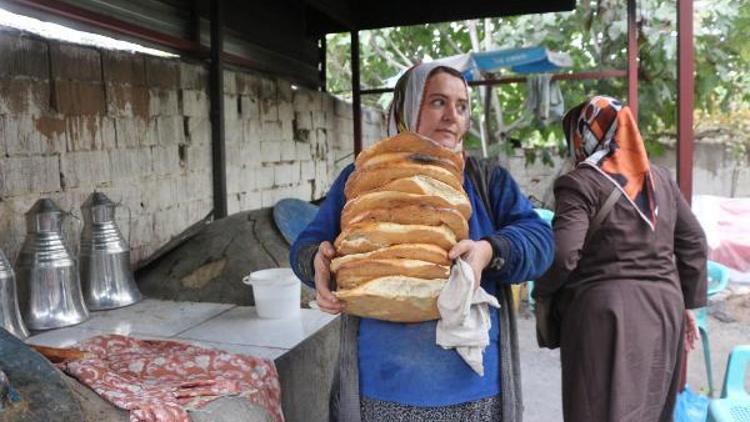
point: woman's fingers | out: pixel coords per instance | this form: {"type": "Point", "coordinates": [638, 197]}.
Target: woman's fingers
{"type": "Point", "coordinates": [325, 299]}
{"type": "Point", "coordinates": [460, 248]}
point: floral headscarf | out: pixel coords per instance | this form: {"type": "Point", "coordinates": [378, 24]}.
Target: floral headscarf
{"type": "Point", "coordinates": [603, 134]}
{"type": "Point", "coordinates": [403, 113]}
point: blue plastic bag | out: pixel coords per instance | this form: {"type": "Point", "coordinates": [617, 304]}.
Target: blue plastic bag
{"type": "Point", "coordinates": [690, 406]}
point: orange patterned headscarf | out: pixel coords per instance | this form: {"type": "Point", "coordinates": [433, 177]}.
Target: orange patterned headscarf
{"type": "Point", "coordinates": [602, 133]}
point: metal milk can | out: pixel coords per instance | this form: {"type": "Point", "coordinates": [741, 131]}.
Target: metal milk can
{"type": "Point", "coordinates": [106, 274]}
{"type": "Point", "coordinates": [10, 314]}
{"type": "Point", "coordinates": [47, 272]}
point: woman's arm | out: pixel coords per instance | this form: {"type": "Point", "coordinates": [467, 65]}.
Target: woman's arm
{"type": "Point", "coordinates": [571, 223]}
{"type": "Point", "coordinates": [690, 254]}
{"type": "Point", "coordinates": [325, 227]}
{"type": "Point", "coordinates": [523, 240]}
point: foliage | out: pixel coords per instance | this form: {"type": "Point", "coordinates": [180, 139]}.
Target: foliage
{"type": "Point", "coordinates": [595, 35]}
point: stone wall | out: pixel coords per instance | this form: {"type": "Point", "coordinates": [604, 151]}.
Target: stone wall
{"type": "Point", "coordinates": [76, 119]}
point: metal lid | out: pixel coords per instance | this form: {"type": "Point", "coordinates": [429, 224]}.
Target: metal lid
{"type": "Point", "coordinates": [97, 199]}
{"type": "Point", "coordinates": [44, 215]}
{"type": "Point", "coordinates": [5, 268]}
{"type": "Point", "coordinates": [98, 208]}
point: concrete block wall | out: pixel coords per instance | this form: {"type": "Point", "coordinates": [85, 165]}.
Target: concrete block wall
{"type": "Point", "coordinates": [76, 119]}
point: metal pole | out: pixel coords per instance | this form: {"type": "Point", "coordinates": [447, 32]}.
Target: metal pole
{"type": "Point", "coordinates": [322, 51]}
{"type": "Point", "coordinates": [356, 94]}
{"type": "Point", "coordinates": [632, 59]}
{"type": "Point", "coordinates": [216, 87]}
{"type": "Point", "coordinates": [685, 97]}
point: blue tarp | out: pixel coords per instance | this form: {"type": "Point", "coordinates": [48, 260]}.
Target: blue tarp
{"type": "Point", "coordinates": [520, 60]}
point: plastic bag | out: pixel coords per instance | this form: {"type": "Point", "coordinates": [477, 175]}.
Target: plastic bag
{"type": "Point", "coordinates": [690, 406]}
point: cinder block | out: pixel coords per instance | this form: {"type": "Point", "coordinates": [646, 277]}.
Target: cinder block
{"type": "Point", "coordinates": [307, 170]}
{"type": "Point", "coordinates": [166, 160]}
{"type": "Point", "coordinates": [284, 91]}
{"type": "Point", "coordinates": [249, 107]}
{"type": "Point", "coordinates": [264, 177]}
{"type": "Point", "coordinates": [123, 67]}
{"type": "Point", "coordinates": [162, 72]}
{"type": "Point", "coordinates": [342, 108]}
{"type": "Point", "coordinates": [230, 82]}
{"type": "Point", "coordinates": [75, 62]}
{"type": "Point", "coordinates": [303, 151]}
{"type": "Point", "coordinates": [127, 101]}
{"type": "Point", "coordinates": [248, 155]}
{"type": "Point", "coordinates": [195, 103]}
{"type": "Point", "coordinates": [28, 135]}
{"type": "Point", "coordinates": [85, 168]}
{"type": "Point", "coordinates": [286, 174]}
{"type": "Point", "coordinates": [201, 186]}
{"type": "Point", "coordinates": [169, 222]}
{"type": "Point", "coordinates": [234, 203]}
{"type": "Point", "coordinates": [251, 201]}
{"type": "Point", "coordinates": [23, 56]}
{"type": "Point", "coordinates": [271, 131]}
{"type": "Point", "coordinates": [270, 151]}
{"type": "Point", "coordinates": [198, 130]}
{"type": "Point", "coordinates": [304, 100]}
{"type": "Point", "coordinates": [198, 156]}
{"type": "Point", "coordinates": [231, 107]}
{"type": "Point", "coordinates": [303, 191]}
{"type": "Point", "coordinates": [267, 88]}
{"type": "Point", "coordinates": [193, 76]}
{"type": "Point", "coordinates": [269, 110]}
{"type": "Point", "coordinates": [127, 163]}
{"type": "Point", "coordinates": [141, 230]}
{"type": "Point", "coordinates": [109, 134]}
{"type": "Point", "coordinates": [288, 150]}
{"type": "Point", "coordinates": [321, 119]}
{"type": "Point", "coordinates": [248, 84]}
{"type": "Point", "coordinates": [84, 133]}
{"type": "Point", "coordinates": [198, 209]}
{"type": "Point", "coordinates": [251, 132]}
{"type": "Point", "coordinates": [163, 102]}
{"type": "Point", "coordinates": [23, 175]}
{"type": "Point", "coordinates": [19, 96]}
{"type": "Point", "coordinates": [268, 198]}
{"type": "Point", "coordinates": [170, 130]}
{"type": "Point", "coordinates": [133, 132]}
{"type": "Point", "coordinates": [303, 120]}
{"type": "Point", "coordinates": [234, 131]}
{"type": "Point", "coordinates": [74, 97]}
{"type": "Point", "coordinates": [287, 129]}
{"type": "Point", "coordinates": [286, 112]}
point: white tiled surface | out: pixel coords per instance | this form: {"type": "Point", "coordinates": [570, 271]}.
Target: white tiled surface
{"type": "Point", "coordinates": [154, 317]}
{"type": "Point", "coordinates": [221, 326]}
{"type": "Point", "coordinates": [62, 337]}
{"type": "Point", "coordinates": [242, 326]}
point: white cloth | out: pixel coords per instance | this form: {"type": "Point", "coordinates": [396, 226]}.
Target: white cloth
{"type": "Point", "coordinates": [464, 316]}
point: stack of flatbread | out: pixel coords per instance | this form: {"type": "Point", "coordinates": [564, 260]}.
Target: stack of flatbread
{"type": "Point", "coordinates": [405, 210]}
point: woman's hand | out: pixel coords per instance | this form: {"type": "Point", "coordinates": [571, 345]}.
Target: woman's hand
{"type": "Point", "coordinates": [327, 302]}
{"type": "Point", "coordinates": [477, 254]}
{"type": "Point", "coordinates": [692, 334]}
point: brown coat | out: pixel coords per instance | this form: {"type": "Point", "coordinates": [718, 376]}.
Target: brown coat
{"type": "Point", "coordinates": [622, 321]}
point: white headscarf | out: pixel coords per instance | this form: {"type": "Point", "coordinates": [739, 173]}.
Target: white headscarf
{"type": "Point", "coordinates": [403, 113]}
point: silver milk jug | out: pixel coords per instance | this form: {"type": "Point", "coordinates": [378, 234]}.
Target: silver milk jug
{"type": "Point", "coordinates": [47, 272]}
{"type": "Point", "coordinates": [10, 314]}
{"type": "Point", "coordinates": [106, 274]}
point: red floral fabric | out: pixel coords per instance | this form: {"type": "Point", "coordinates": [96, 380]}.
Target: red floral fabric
{"type": "Point", "coordinates": [159, 380]}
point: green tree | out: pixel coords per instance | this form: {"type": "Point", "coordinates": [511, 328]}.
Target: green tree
{"type": "Point", "coordinates": [595, 35]}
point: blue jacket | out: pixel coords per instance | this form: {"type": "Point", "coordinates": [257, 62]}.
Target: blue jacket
{"type": "Point", "coordinates": [401, 362]}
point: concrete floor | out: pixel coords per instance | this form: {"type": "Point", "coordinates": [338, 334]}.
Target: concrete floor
{"type": "Point", "coordinates": [541, 367]}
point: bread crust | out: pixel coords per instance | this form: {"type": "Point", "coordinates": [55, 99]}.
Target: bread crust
{"type": "Point", "coordinates": [418, 251]}
{"type": "Point", "coordinates": [410, 142]}
{"type": "Point", "coordinates": [367, 237]}
{"type": "Point", "coordinates": [361, 182]}
{"type": "Point", "coordinates": [396, 299]}
{"type": "Point", "coordinates": [413, 214]}
{"type": "Point", "coordinates": [352, 274]}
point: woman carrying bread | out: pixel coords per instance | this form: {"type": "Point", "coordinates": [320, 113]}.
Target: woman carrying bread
{"type": "Point", "coordinates": [395, 371]}
{"type": "Point", "coordinates": [623, 277]}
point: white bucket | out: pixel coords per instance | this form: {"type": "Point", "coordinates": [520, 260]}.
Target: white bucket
{"type": "Point", "coordinates": [277, 292]}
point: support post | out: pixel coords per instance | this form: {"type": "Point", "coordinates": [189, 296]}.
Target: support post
{"type": "Point", "coordinates": [322, 52]}
{"type": "Point", "coordinates": [685, 97]}
{"type": "Point", "coordinates": [356, 93]}
{"type": "Point", "coordinates": [216, 87]}
{"type": "Point", "coordinates": [632, 59]}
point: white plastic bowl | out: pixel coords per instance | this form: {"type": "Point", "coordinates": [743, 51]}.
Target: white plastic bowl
{"type": "Point", "coordinates": [277, 292]}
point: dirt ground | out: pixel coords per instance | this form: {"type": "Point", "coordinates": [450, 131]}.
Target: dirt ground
{"type": "Point", "coordinates": [729, 325]}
